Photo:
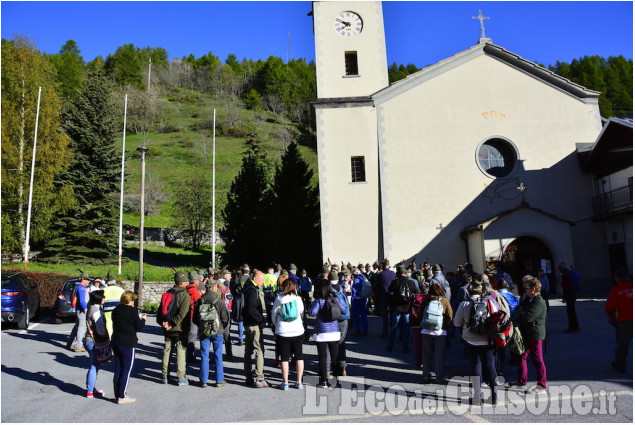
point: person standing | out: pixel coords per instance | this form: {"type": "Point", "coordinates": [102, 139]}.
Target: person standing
{"type": "Point", "coordinates": [359, 304]}
{"type": "Point", "coordinates": [479, 348]}
{"type": "Point", "coordinates": [401, 289]}
{"type": "Point", "coordinates": [75, 341]}
{"type": "Point", "coordinates": [112, 298]}
{"type": "Point", "coordinates": [125, 323]}
{"type": "Point", "coordinates": [383, 280]}
{"type": "Point", "coordinates": [436, 315]}
{"type": "Point", "coordinates": [289, 331]}
{"type": "Point", "coordinates": [544, 292]}
{"type": "Point", "coordinates": [176, 331]}
{"type": "Point", "coordinates": [306, 288]}
{"type": "Point", "coordinates": [569, 296]}
{"type": "Point", "coordinates": [210, 337]}
{"type": "Point", "coordinates": [620, 306]}
{"type": "Point", "coordinates": [327, 332]}
{"type": "Point", "coordinates": [195, 295]}
{"type": "Point", "coordinates": [531, 316]}
{"type": "Point", "coordinates": [254, 323]}
{"type": "Point", "coordinates": [96, 328]}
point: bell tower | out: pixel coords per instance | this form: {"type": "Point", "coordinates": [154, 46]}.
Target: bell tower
{"type": "Point", "coordinates": [350, 48]}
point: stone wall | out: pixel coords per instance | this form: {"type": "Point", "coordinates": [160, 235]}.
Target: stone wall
{"type": "Point", "coordinates": [152, 291]}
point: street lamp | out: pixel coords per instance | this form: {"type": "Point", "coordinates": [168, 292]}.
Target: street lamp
{"type": "Point", "coordinates": [139, 288]}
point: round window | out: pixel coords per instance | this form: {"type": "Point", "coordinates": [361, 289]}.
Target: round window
{"type": "Point", "coordinates": [497, 157]}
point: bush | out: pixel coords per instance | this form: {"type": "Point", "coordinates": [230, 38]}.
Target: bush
{"type": "Point", "coordinates": [48, 284]}
{"type": "Point", "coordinates": [150, 308]}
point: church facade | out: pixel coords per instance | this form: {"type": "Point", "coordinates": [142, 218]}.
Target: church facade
{"type": "Point", "coordinates": [470, 159]}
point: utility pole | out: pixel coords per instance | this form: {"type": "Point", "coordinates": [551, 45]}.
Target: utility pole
{"type": "Point", "coordinates": [28, 215]}
{"type": "Point", "coordinates": [123, 163]}
{"type": "Point", "coordinates": [149, 71]}
{"type": "Point", "coordinates": [139, 288]}
{"type": "Point", "coordinates": [214, 192]}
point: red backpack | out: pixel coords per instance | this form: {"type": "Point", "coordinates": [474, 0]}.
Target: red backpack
{"type": "Point", "coordinates": [168, 307]}
{"type": "Point", "coordinates": [414, 308]}
{"type": "Point", "coordinates": [226, 296]}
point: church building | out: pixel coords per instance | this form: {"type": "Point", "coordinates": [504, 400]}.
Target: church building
{"type": "Point", "coordinates": [470, 159]}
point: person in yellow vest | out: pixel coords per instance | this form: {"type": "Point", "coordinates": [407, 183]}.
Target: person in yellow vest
{"type": "Point", "coordinates": [112, 298]}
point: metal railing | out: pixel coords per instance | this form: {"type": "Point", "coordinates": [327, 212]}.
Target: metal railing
{"type": "Point", "coordinates": [616, 200]}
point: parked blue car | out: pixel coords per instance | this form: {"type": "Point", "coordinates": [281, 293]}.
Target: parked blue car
{"type": "Point", "coordinates": [20, 299]}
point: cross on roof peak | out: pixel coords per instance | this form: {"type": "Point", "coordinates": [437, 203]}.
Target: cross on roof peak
{"type": "Point", "coordinates": [481, 18]}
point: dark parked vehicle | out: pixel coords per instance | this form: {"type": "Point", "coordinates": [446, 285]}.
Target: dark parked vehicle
{"type": "Point", "coordinates": [63, 302]}
{"type": "Point", "coordinates": [20, 299]}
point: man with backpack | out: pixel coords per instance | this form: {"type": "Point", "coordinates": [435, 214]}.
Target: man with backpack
{"type": "Point", "coordinates": [401, 289]}
{"type": "Point", "coordinates": [80, 301]}
{"type": "Point", "coordinates": [439, 278]}
{"type": "Point", "coordinates": [195, 294]}
{"type": "Point", "coordinates": [174, 318]}
{"type": "Point", "coordinates": [570, 281]}
{"type": "Point", "coordinates": [254, 322]}
{"type": "Point", "coordinates": [338, 287]}
{"type": "Point", "coordinates": [211, 317]}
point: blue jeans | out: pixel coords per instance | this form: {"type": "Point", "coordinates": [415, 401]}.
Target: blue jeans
{"type": "Point", "coordinates": [360, 316]}
{"type": "Point", "coordinates": [91, 376]}
{"type": "Point", "coordinates": [399, 320]}
{"type": "Point", "coordinates": [241, 331]}
{"type": "Point", "coordinates": [217, 344]}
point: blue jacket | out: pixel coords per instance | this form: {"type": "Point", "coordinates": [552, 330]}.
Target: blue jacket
{"type": "Point", "coordinates": [305, 284]}
{"type": "Point", "coordinates": [357, 287]}
{"type": "Point", "coordinates": [324, 327]}
{"type": "Point", "coordinates": [82, 297]}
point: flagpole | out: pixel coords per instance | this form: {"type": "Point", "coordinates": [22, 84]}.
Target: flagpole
{"type": "Point", "coordinates": [28, 215]}
{"type": "Point", "coordinates": [214, 193]}
{"type": "Point", "coordinates": [123, 163]}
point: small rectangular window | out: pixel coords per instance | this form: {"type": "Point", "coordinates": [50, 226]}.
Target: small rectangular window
{"type": "Point", "coordinates": [350, 59]}
{"type": "Point", "coordinates": [358, 169]}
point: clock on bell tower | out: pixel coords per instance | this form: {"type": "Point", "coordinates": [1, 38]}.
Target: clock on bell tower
{"type": "Point", "coordinates": [350, 48]}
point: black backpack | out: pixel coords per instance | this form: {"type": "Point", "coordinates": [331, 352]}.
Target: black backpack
{"type": "Point", "coordinates": [479, 317]}
{"type": "Point", "coordinates": [404, 294]}
{"type": "Point", "coordinates": [238, 304]}
{"type": "Point", "coordinates": [331, 310]}
{"type": "Point", "coordinates": [168, 307]}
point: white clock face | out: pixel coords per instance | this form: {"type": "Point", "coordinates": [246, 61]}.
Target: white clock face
{"type": "Point", "coordinates": [348, 24]}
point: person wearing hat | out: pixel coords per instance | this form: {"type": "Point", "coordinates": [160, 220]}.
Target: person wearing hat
{"type": "Point", "coordinates": [212, 295]}
{"type": "Point", "coordinates": [292, 273]}
{"type": "Point", "coordinates": [438, 277]}
{"type": "Point", "coordinates": [195, 295]}
{"type": "Point", "coordinates": [112, 297]}
{"type": "Point", "coordinates": [177, 330]}
{"type": "Point", "coordinates": [479, 349]}
{"type": "Point", "coordinates": [306, 288]}
{"type": "Point", "coordinates": [383, 281]}
{"type": "Point", "coordinates": [76, 339]}
{"type": "Point", "coordinates": [401, 289]}
{"type": "Point", "coordinates": [97, 285]}
{"type": "Point", "coordinates": [254, 324]}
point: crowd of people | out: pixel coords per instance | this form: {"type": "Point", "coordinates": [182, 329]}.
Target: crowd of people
{"type": "Point", "coordinates": [422, 305]}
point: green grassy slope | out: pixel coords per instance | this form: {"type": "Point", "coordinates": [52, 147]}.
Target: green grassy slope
{"type": "Point", "coordinates": [179, 152]}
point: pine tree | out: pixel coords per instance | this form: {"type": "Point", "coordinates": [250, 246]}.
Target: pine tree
{"type": "Point", "coordinates": [70, 70]}
{"type": "Point", "coordinates": [24, 69]}
{"type": "Point", "coordinates": [88, 232]}
{"type": "Point", "coordinates": [244, 214]}
{"type": "Point", "coordinates": [295, 212]}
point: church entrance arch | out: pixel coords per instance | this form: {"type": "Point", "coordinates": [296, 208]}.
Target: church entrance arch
{"type": "Point", "coordinates": [526, 255]}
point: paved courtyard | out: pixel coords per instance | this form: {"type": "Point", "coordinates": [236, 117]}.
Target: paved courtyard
{"type": "Point", "coordinates": [43, 382]}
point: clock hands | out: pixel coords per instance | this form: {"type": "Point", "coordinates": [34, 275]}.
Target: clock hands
{"type": "Point", "coordinates": [348, 24]}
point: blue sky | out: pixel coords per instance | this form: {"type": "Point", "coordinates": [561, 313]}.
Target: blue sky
{"type": "Point", "coordinates": [416, 32]}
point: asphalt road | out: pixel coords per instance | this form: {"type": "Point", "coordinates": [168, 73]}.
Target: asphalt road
{"type": "Point", "coordinates": [41, 381]}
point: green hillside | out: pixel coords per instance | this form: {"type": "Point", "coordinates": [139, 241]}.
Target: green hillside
{"type": "Point", "coordinates": [183, 145]}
